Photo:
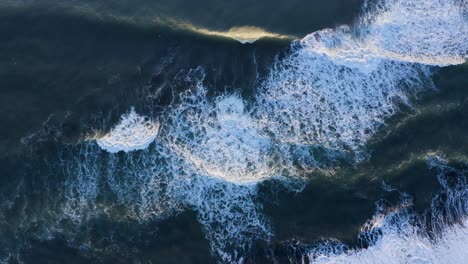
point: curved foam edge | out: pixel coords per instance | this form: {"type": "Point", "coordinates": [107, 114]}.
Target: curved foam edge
{"type": "Point", "coordinates": [331, 97]}
{"type": "Point", "coordinates": [399, 235]}
{"type": "Point", "coordinates": [338, 86]}
{"type": "Point", "coordinates": [406, 246]}
{"type": "Point", "coordinates": [415, 31]}
{"type": "Point", "coordinates": [134, 132]}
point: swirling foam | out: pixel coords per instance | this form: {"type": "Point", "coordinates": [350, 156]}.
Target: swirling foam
{"type": "Point", "coordinates": [219, 139]}
{"type": "Point", "coordinates": [400, 236]}
{"type": "Point", "coordinates": [338, 86]}
{"type": "Point", "coordinates": [310, 100]}
{"type": "Point", "coordinates": [334, 90]}
{"type": "Point", "coordinates": [431, 32]}
{"type": "Point", "coordinates": [404, 244]}
{"type": "Point", "coordinates": [134, 132]}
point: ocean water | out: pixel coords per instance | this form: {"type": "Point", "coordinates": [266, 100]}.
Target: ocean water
{"type": "Point", "coordinates": [219, 132]}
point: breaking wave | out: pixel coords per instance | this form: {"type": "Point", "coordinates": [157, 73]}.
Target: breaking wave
{"type": "Point", "coordinates": [155, 183]}
{"type": "Point", "coordinates": [220, 139]}
{"type": "Point", "coordinates": [398, 235]}
{"type": "Point", "coordinates": [333, 91]}
{"type": "Point", "coordinates": [134, 132]}
{"type": "Point", "coordinates": [339, 85]}
{"type": "Point", "coordinates": [243, 34]}
{"type": "Point", "coordinates": [425, 32]}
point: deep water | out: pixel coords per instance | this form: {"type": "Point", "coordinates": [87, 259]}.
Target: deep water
{"type": "Point", "coordinates": [256, 159]}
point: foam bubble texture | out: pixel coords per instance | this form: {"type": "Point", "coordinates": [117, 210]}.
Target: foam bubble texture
{"type": "Point", "coordinates": [338, 86]}
{"type": "Point", "coordinates": [334, 91]}
{"type": "Point", "coordinates": [156, 183]}
{"type": "Point", "coordinates": [431, 32]}
{"type": "Point", "coordinates": [134, 132]}
{"type": "Point", "coordinates": [405, 245]}
{"type": "Point", "coordinates": [81, 186]}
{"type": "Point", "coordinates": [401, 236]}
{"type": "Point", "coordinates": [220, 139]}
{"type": "Point", "coordinates": [228, 213]}
{"type": "Point", "coordinates": [311, 100]}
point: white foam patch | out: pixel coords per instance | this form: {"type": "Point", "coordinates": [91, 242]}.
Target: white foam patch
{"type": "Point", "coordinates": [231, 219]}
{"type": "Point", "coordinates": [430, 32]}
{"type": "Point", "coordinates": [405, 244]}
{"type": "Point", "coordinates": [219, 139]}
{"type": "Point", "coordinates": [337, 87]}
{"type": "Point", "coordinates": [433, 32]}
{"type": "Point", "coordinates": [134, 132]}
{"type": "Point", "coordinates": [334, 91]}
{"type": "Point", "coordinates": [311, 100]}
{"type": "Point", "coordinates": [403, 237]}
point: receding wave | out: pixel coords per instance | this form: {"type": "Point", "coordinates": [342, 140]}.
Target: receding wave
{"type": "Point", "coordinates": [338, 87]}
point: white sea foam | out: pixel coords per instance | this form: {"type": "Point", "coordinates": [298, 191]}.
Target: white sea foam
{"type": "Point", "coordinates": [311, 100]}
{"type": "Point", "coordinates": [431, 32]}
{"type": "Point", "coordinates": [334, 90]}
{"type": "Point", "coordinates": [134, 132]}
{"type": "Point", "coordinates": [157, 182]}
{"type": "Point", "coordinates": [401, 236]}
{"type": "Point", "coordinates": [211, 157]}
{"type": "Point", "coordinates": [81, 186]}
{"type": "Point", "coordinates": [404, 244]}
{"type": "Point", "coordinates": [219, 139]}
{"type": "Point", "coordinates": [229, 215]}
{"type": "Point", "coordinates": [338, 86]}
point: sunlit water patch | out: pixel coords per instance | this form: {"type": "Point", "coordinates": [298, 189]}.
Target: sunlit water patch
{"type": "Point", "coordinates": [243, 34]}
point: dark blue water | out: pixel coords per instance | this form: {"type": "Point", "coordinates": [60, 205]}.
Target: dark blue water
{"type": "Point", "coordinates": [273, 151]}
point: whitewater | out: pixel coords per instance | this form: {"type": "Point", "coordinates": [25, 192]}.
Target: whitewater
{"type": "Point", "coordinates": [333, 91]}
